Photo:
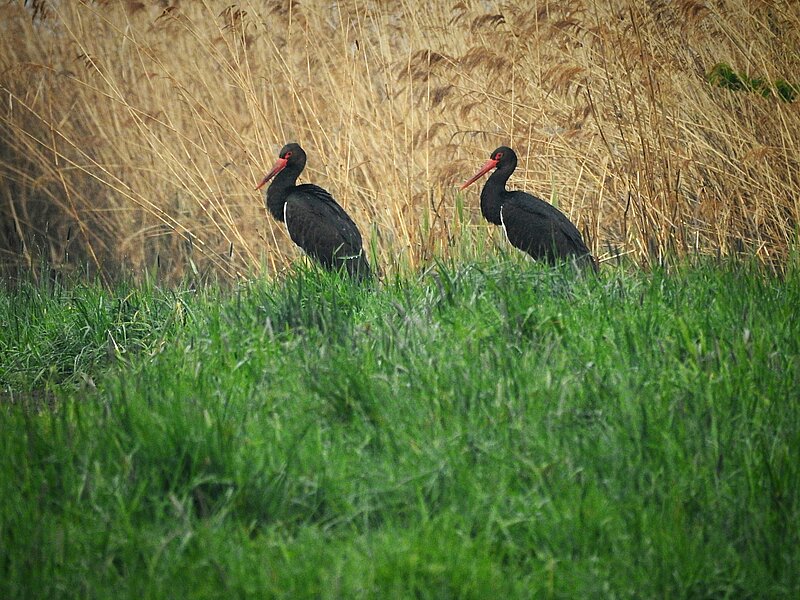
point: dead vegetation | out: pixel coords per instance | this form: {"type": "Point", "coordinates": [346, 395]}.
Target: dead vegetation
{"type": "Point", "coordinates": [132, 133]}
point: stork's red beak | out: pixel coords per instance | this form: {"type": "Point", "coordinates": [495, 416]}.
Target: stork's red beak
{"type": "Point", "coordinates": [490, 164]}
{"type": "Point", "coordinates": [280, 165]}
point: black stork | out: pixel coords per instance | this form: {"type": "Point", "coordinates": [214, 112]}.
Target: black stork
{"type": "Point", "coordinates": [531, 224]}
{"type": "Point", "coordinates": [314, 220]}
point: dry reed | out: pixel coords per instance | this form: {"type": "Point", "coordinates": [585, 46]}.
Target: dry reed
{"type": "Point", "coordinates": [132, 133]}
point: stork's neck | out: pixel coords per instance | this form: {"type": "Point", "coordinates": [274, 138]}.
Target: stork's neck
{"type": "Point", "coordinates": [279, 190]}
{"type": "Point", "coordinates": [494, 194]}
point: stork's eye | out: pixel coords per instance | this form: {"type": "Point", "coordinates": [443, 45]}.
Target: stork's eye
{"type": "Point", "coordinates": [288, 154]}
{"type": "Point", "coordinates": [498, 156]}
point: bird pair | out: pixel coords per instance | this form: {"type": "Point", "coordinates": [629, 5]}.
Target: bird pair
{"type": "Point", "coordinates": [322, 228]}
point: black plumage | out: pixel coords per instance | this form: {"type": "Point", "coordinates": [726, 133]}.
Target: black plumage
{"type": "Point", "coordinates": [314, 220]}
{"type": "Point", "coordinates": [531, 224]}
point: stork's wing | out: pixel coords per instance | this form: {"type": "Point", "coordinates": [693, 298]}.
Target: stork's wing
{"type": "Point", "coordinates": [540, 229]}
{"type": "Point", "coordinates": [323, 229]}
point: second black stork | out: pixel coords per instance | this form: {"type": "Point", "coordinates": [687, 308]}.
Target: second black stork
{"type": "Point", "coordinates": [314, 220]}
{"type": "Point", "coordinates": [531, 224]}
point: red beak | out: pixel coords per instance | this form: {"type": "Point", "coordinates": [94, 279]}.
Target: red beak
{"type": "Point", "coordinates": [280, 165]}
{"type": "Point", "coordinates": [490, 164]}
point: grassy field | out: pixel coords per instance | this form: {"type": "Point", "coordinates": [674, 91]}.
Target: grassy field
{"type": "Point", "coordinates": [484, 429]}
{"type": "Point", "coordinates": [201, 415]}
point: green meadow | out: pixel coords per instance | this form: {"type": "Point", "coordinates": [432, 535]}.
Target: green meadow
{"type": "Point", "coordinates": [186, 411]}
{"type": "Point", "coordinates": [488, 429]}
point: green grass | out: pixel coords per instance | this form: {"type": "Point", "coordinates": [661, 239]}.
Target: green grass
{"type": "Point", "coordinates": [482, 430]}
{"type": "Point", "coordinates": [723, 75]}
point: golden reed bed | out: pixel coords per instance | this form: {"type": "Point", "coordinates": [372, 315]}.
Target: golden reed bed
{"type": "Point", "coordinates": [132, 134]}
